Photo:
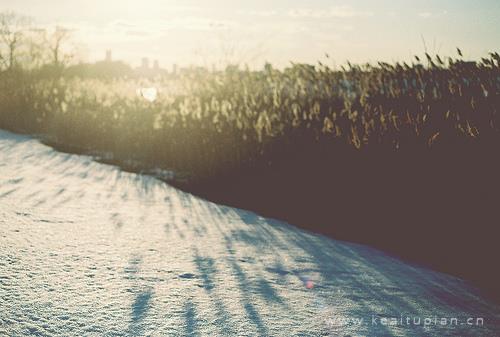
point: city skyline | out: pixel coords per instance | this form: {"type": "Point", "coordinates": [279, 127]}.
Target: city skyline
{"type": "Point", "coordinates": [219, 32]}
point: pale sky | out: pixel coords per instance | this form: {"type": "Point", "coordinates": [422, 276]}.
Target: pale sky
{"type": "Point", "coordinates": [210, 31]}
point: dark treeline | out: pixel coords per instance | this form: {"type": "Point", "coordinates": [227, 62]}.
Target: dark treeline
{"type": "Point", "coordinates": [401, 156]}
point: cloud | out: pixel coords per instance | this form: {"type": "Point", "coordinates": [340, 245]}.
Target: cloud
{"type": "Point", "coordinates": [137, 33]}
{"type": "Point", "coordinates": [428, 15]}
{"type": "Point", "coordinates": [122, 24]}
{"type": "Point", "coordinates": [425, 15]}
{"type": "Point", "coordinates": [266, 13]}
{"type": "Point", "coordinates": [347, 28]}
{"type": "Point", "coordinates": [333, 12]}
{"type": "Point", "coordinates": [199, 24]}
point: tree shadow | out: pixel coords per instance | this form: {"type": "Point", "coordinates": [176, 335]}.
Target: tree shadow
{"type": "Point", "coordinates": [267, 292]}
{"type": "Point", "coordinates": [245, 292]}
{"type": "Point", "coordinates": [140, 307]}
{"type": "Point", "coordinates": [190, 320]}
{"type": "Point", "coordinates": [206, 268]}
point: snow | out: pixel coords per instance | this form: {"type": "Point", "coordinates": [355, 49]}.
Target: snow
{"type": "Point", "coordinates": [89, 250]}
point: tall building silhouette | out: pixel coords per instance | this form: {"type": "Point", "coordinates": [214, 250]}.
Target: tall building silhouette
{"type": "Point", "coordinates": [108, 56]}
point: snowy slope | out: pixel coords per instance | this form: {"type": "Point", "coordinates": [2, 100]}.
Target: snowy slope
{"type": "Point", "coordinates": [89, 250]}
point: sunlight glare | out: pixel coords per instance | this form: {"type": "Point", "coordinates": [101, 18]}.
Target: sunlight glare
{"type": "Point", "coordinates": [149, 94]}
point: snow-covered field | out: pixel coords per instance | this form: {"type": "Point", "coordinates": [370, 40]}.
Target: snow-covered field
{"type": "Point", "coordinates": [89, 250]}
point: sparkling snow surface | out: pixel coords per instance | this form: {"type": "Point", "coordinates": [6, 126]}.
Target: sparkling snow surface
{"type": "Point", "coordinates": [89, 250]}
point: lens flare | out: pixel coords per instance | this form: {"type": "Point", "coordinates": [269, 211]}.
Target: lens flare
{"type": "Point", "coordinates": [149, 94]}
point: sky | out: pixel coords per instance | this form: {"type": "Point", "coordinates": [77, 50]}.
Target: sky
{"type": "Point", "coordinates": [206, 32]}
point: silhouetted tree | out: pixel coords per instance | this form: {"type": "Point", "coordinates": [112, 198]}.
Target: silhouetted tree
{"type": "Point", "coordinates": [55, 42]}
{"type": "Point", "coordinates": [13, 29]}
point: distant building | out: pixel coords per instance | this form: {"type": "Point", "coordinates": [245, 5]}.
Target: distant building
{"type": "Point", "coordinates": [108, 56]}
{"type": "Point", "coordinates": [174, 69]}
{"type": "Point", "coordinates": [145, 70]}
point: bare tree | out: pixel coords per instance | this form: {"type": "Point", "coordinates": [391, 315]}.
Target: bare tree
{"type": "Point", "coordinates": [56, 41]}
{"type": "Point", "coordinates": [36, 50]}
{"type": "Point", "coordinates": [12, 34]}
